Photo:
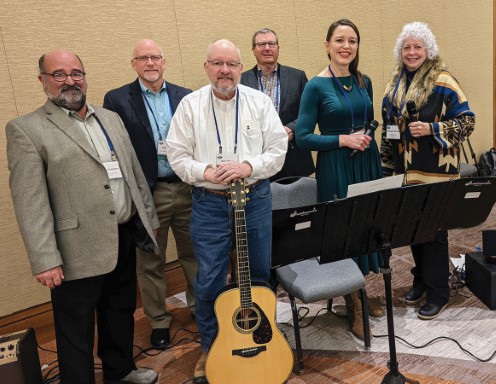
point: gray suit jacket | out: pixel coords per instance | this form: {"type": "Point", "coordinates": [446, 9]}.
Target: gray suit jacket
{"type": "Point", "coordinates": [298, 162]}
{"type": "Point", "coordinates": [61, 194]}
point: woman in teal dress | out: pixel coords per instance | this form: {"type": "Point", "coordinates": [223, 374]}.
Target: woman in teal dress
{"type": "Point", "coordinates": [339, 100]}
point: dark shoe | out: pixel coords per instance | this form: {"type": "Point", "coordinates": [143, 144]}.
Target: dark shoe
{"type": "Point", "coordinates": [414, 295]}
{"type": "Point", "coordinates": [199, 376]}
{"type": "Point", "coordinates": [138, 376]}
{"type": "Point", "coordinates": [430, 311]}
{"type": "Point", "coordinates": [160, 338]}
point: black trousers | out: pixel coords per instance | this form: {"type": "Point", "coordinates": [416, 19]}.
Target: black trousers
{"type": "Point", "coordinates": [113, 298]}
{"type": "Point", "coordinates": [431, 271]}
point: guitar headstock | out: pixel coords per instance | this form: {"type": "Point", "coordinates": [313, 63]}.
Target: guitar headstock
{"type": "Point", "coordinates": [237, 194]}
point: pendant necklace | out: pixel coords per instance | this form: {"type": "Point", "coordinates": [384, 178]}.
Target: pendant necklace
{"type": "Point", "coordinates": [347, 88]}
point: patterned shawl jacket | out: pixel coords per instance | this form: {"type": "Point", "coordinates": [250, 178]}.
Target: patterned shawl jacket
{"type": "Point", "coordinates": [441, 102]}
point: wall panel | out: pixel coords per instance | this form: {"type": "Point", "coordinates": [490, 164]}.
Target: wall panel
{"type": "Point", "coordinates": [104, 32]}
{"type": "Point", "coordinates": [467, 50]}
{"type": "Point", "coordinates": [314, 20]}
{"type": "Point", "coordinates": [17, 288]}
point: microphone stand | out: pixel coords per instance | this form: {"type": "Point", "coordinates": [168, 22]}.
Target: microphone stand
{"type": "Point", "coordinates": [394, 376]}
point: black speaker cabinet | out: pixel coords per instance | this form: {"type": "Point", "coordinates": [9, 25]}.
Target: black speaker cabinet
{"type": "Point", "coordinates": [489, 245]}
{"type": "Point", "coordinates": [19, 359]}
{"type": "Point", "coordinates": [480, 278]}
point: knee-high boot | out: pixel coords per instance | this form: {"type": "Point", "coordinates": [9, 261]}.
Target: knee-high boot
{"type": "Point", "coordinates": [354, 313]}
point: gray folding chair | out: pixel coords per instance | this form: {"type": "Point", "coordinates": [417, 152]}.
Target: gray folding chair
{"type": "Point", "coordinates": [467, 169]}
{"type": "Point", "coordinates": [308, 280]}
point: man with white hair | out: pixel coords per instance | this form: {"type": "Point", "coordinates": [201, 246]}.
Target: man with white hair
{"type": "Point", "coordinates": [221, 133]}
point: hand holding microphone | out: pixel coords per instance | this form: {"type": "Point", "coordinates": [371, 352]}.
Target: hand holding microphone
{"type": "Point", "coordinates": [411, 108]}
{"type": "Point", "coordinates": [368, 132]}
{"type": "Point", "coordinates": [416, 127]}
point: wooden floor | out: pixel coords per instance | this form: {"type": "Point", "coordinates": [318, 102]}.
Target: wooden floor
{"type": "Point", "coordinates": [176, 365]}
{"type": "Point", "coordinates": [183, 354]}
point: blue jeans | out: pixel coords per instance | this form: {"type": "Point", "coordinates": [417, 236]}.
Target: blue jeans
{"type": "Point", "coordinates": [211, 229]}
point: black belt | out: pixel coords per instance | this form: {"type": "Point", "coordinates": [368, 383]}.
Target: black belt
{"type": "Point", "coordinates": [226, 193]}
{"type": "Point", "coordinates": [169, 179]}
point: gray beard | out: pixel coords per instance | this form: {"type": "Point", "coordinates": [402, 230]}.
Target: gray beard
{"type": "Point", "coordinates": [224, 91]}
{"type": "Point", "coordinates": [70, 97]}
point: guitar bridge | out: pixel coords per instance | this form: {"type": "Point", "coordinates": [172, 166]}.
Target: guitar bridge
{"type": "Point", "coordinates": [249, 352]}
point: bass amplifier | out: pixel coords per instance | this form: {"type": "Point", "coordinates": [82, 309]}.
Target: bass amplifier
{"type": "Point", "coordinates": [480, 278]}
{"type": "Point", "coordinates": [19, 359]}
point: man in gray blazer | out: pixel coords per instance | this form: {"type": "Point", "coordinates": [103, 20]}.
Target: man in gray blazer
{"type": "Point", "coordinates": [79, 194]}
{"type": "Point", "coordinates": [284, 85]}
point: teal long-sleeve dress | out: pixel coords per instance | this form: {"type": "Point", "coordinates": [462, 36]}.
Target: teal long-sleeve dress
{"type": "Point", "coordinates": [323, 103]}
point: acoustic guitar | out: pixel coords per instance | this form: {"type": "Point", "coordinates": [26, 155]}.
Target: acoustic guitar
{"type": "Point", "coordinates": [249, 348]}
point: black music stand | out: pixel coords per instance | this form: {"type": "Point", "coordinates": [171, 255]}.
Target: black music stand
{"type": "Point", "coordinates": [398, 217]}
{"type": "Point", "coordinates": [297, 233]}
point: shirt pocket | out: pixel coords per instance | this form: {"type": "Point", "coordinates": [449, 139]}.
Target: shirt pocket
{"type": "Point", "coordinates": [252, 135]}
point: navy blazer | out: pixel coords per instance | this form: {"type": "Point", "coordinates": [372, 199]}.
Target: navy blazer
{"type": "Point", "coordinates": [128, 102]}
{"type": "Point", "coordinates": [298, 162]}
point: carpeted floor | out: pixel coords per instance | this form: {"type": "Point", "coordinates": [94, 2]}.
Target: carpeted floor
{"type": "Point", "coordinates": [333, 355]}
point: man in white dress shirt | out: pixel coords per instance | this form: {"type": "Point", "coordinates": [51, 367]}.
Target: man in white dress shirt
{"type": "Point", "coordinates": [221, 133]}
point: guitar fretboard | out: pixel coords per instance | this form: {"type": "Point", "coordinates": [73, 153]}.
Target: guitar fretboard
{"type": "Point", "coordinates": [238, 198]}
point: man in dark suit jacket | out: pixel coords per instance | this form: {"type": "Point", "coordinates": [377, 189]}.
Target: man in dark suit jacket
{"type": "Point", "coordinates": [284, 85]}
{"type": "Point", "coordinates": [78, 189]}
{"type": "Point", "coordinates": [146, 107]}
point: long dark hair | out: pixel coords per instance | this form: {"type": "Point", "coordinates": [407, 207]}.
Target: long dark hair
{"type": "Point", "coordinates": [354, 64]}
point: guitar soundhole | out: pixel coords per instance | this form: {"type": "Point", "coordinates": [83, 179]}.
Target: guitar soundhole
{"type": "Point", "coordinates": [246, 320]}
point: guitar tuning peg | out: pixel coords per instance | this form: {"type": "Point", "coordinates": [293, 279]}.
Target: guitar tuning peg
{"type": "Point", "coordinates": [247, 199]}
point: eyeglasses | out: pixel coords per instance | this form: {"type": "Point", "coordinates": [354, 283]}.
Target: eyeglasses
{"type": "Point", "coordinates": [61, 76]}
{"type": "Point", "coordinates": [154, 58]}
{"type": "Point", "coordinates": [271, 44]}
{"type": "Point", "coordinates": [220, 64]}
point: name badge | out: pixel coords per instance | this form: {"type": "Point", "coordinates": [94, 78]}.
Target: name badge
{"type": "Point", "coordinates": [393, 132]}
{"type": "Point", "coordinates": [161, 148]}
{"type": "Point", "coordinates": [113, 169]}
{"type": "Point", "coordinates": [225, 157]}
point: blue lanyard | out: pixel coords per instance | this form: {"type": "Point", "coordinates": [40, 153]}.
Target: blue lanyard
{"type": "Point", "coordinates": [276, 101]}
{"type": "Point", "coordinates": [348, 100]}
{"type": "Point", "coordinates": [390, 110]}
{"type": "Point", "coordinates": [109, 142]}
{"type": "Point", "coordinates": [153, 113]}
{"type": "Point", "coordinates": [217, 126]}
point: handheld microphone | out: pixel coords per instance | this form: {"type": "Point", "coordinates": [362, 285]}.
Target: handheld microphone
{"type": "Point", "coordinates": [369, 132]}
{"type": "Point", "coordinates": [411, 108]}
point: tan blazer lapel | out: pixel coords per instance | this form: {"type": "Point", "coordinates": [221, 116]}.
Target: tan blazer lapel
{"type": "Point", "coordinates": [60, 119]}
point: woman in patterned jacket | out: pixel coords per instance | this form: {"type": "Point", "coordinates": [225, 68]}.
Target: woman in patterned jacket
{"type": "Point", "coordinates": [426, 117]}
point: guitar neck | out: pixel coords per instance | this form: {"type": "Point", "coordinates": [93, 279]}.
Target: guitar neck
{"type": "Point", "coordinates": [238, 198]}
